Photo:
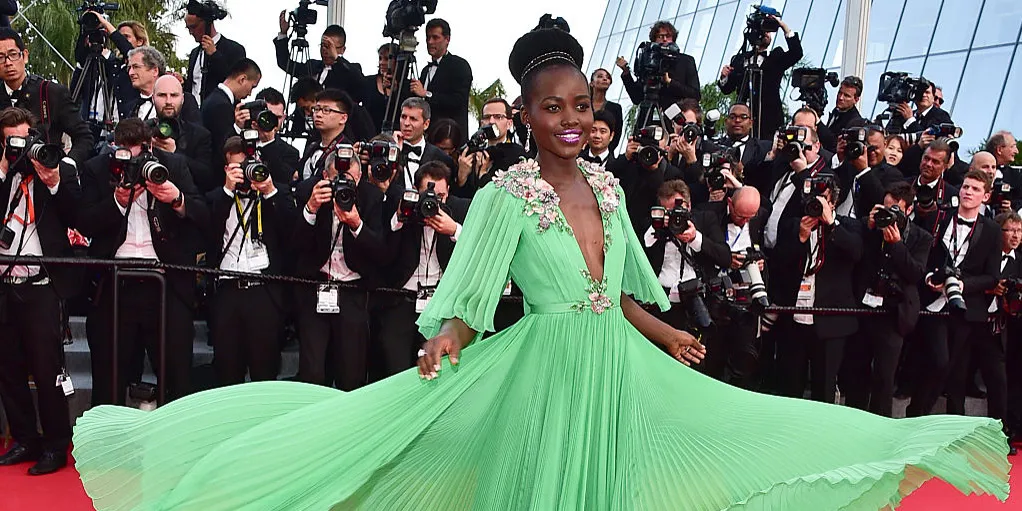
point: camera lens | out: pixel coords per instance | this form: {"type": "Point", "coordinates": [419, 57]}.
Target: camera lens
{"type": "Point", "coordinates": [155, 172]}
{"type": "Point", "coordinates": [49, 155]}
{"type": "Point", "coordinates": [256, 172]}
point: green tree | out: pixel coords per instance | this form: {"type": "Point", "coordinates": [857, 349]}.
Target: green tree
{"type": "Point", "coordinates": [58, 21]}
{"type": "Point", "coordinates": [477, 98]}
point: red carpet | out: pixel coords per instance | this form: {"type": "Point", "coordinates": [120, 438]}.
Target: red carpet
{"type": "Point", "coordinates": [63, 491]}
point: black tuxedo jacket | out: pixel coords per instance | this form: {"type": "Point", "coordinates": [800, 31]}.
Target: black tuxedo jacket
{"type": "Point", "coordinates": [312, 243]}
{"type": "Point", "coordinates": [932, 118]}
{"type": "Point", "coordinates": [282, 160]}
{"type": "Point", "coordinates": [399, 184]}
{"type": "Point", "coordinates": [343, 75]}
{"type": "Point", "coordinates": [684, 83]}
{"type": "Point", "coordinates": [614, 109]}
{"type": "Point", "coordinates": [450, 89]}
{"type": "Point", "coordinates": [278, 218]}
{"type": "Point", "coordinates": [872, 186]}
{"type": "Point", "coordinates": [756, 226]}
{"type": "Point", "coordinates": [180, 237]}
{"type": "Point", "coordinates": [753, 157]}
{"type": "Point", "coordinates": [713, 255]}
{"type": "Point", "coordinates": [905, 261]}
{"type": "Point", "coordinates": [980, 268]}
{"type": "Point", "coordinates": [502, 157]}
{"type": "Point", "coordinates": [928, 219]}
{"type": "Point", "coordinates": [640, 186]}
{"type": "Point", "coordinates": [842, 250]}
{"type": "Point", "coordinates": [774, 65]}
{"type": "Point", "coordinates": [195, 146]}
{"type": "Point", "coordinates": [63, 115]}
{"type": "Point", "coordinates": [55, 214]}
{"type": "Point", "coordinates": [218, 64]}
{"type": "Point", "coordinates": [405, 245]}
{"type": "Point", "coordinates": [218, 117]}
{"type": "Point", "coordinates": [837, 120]}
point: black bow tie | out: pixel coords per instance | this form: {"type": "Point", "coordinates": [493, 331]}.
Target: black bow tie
{"type": "Point", "coordinates": [408, 148]}
{"type": "Point", "coordinates": [587, 156]}
{"type": "Point", "coordinates": [1005, 257]}
{"type": "Point", "coordinates": [432, 63]}
{"type": "Point", "coordinates": [962, 221]}
{"type": "Point", "coordinates": [740, 142]}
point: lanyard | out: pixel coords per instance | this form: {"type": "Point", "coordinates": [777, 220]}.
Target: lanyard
{"type": "Point", "coordinates": [246, 227]}
{"type": "Point", "coordinates": [816, 256]}
{"type": "Point", "coordinates": [727, 233]}
{"type": "Point", "coordinates": [429, 253]}
{"type": "Point", "coordinates": [22, 191]}
{"type": "Point", "coordinates": [954, 240]}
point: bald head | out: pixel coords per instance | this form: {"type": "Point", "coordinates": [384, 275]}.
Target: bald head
{"type": "Point", "coordinates": [744, 205]}
{"type": "Point", "coordinates": [984, 162]}
{"type": "Point", "coordinates": [168, 97]}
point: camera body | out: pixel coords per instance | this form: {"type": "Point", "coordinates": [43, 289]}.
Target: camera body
{"type": "Point", "coordinates": [893, 215]}
{"type": "Point", "coordinates": [690, 131]}
{"type": "Point", "coordinates": [653, 61]}
{"type": "Point", "coordinates": [304, 15]}
{"type": "Point", "coordinates": [406, 16]}
{"type": "Point", "coordinates": [1012, 299]}
{"type": "Point", "coordinates": [811, 83]}
{"type": "Point", "coordinates": [691, 293]}
{"type": "Point", "coordinates": [419, 206]}
{"type": "Point", "coordinates": [713, 163]}
{"type": "Point", "coordinates": [795, 141]}
{"type": "Point", "coordinates": [383, 158]}
{"type": "Point", "coordinates": [1001, 191]}
{"type": "Point", "coordinates": [260, 116]}
{"type": "Point", "coordinates": [855, 142]}
{"type": "Point", "coordinates": [19, 150]}
{"type": "Point", "coordinates": [759, 23]}
{"type": "Point", "coordinates": [899, 87]}
{"type": "Point", "coordinates": [925, 196]}
{"type": "Point", "coordinates": [951, 277]}
{"type": "Point", "coordinates": [480, 140]}
{"type": "Point", "coordinates": [207, 10]}
{"type": "Point", "coordinates": [89, 22]}
{"type": "Point", "coordinates": [649, 138]}
{"type": "Point", "coordinates": [128, 170]}
{"type": "Point", "coordinates": [673, 221]}
{"type": "Point", "coordinates": [812, 188]}
{"type": "Point", "coordinates": [164, 128]}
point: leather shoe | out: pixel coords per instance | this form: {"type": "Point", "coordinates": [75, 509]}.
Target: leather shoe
{"type": "Point", "coordinates": [18, 454]}
{"type": "Point", "coordinates": [49, 462]}
{"type": "Point", "coordinates": [1012, 450]}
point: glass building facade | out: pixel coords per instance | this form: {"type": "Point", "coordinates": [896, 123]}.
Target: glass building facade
{"type": "Point", "coordinates": [970, 48]}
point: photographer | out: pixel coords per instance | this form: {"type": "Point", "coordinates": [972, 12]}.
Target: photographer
{"type": "Point", "coordinates": [281, 158]}
{"type": "Point", "coordinates": [933, 192]}
{"type": "Point", "coordinates": [812, 266]}
{"type": "Point", "coordinates": [215, 57]}
{"type": "Point", "coordinates": [139, 204]}
{"type": "Point", "coordinates": [685, 253]}
{"type": "Point", "coordinates": [48, 101]}
{"type": "Point", "coordinates": [332, 71]}
{"type": "Point", "coordinates": [1011, 266]}
{"type": "Point", "coordinates": [788, 175]}
{"type": "Point", "coordinates": [866, 175]}
{"type": "Point", "coordinates": [330, 115]}
{"type": "Point", "coordinates": [377, 87]}
{"type": "Point", "coordinates": [808, 118]}
{"type": "Point", "coordinates": [446, 80]}
{"type": "Point", "coordinates": [598, 149]}
{"type": "Point", "coordinates": [40, 204]}
{"type": "Point", "coordinates": [1003, 147]}
{"type": "Point", "coordinates": [92, 100]}
{"type": "Point", "coordinates": [765, 97]}
{"type": "Point", "coordinates": [963, 265]}
{"type": "Point", "coordinates": [303, 95]}
{"type": "Point", "coordinates": [338, 240]}
{"type": "Point", "coordinates": [477, 164]}
{"type": "Point", "coordinates": [893, 262]}
{"type": "Point", "coordinates": [751, 151]}
{"type": "Point", "coordinates": [687, 146]}
{"type": "Point", "coordinates": [415, 118]}
{"type": "Point", "coordinates": [190, 139]}
{"type": "Point", "coordinates": [641, 177]}
{"type": "Point", "coordinates": [252, 221]}
{"type": "Point", "coordinates": [421, 236]}
{"type": "Point", "coordinates": [222, 112]}
{"type": "Point", "coordinates": [680, 82]}
{"type": "Point", "coordinates": [927, 114]}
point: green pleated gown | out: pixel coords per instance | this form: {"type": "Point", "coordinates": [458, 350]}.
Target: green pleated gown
{"type": "Point", "coordinates": [570, 409]}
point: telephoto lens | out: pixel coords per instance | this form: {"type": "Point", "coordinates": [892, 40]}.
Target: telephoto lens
{"type": "Point", "coordinates": [154, 172]}
{"type": "Point", "coordinates": [344, 194]}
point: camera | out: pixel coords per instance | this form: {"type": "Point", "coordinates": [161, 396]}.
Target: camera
{"type": "Point", "coordinates": [714, 164]}
{"type": "Point", "coordinates": [811, 83]}
{"type": "Point", "coordinates": [164, 128]}
{"type": "Point", "coordinates": [899, 87]}
{"type": "Point", "coordinates": [207, 10]}
{"type": "Point", "coordinates": [653, 61]}
{"type": "Point", "coordinates": [952, 279]}
{"type": "Point", "coordinates": [383, 160]}
{"type": "Point", "coordinates": [755, 295]}
{"type": "Point", "coordinates": [260, 116]}
{"type": "Point", "coordinates": [254, 171]}
{"type": "Point", "coordinates": [795, 141]}
{"type": "Point", "coordinates": [887, 286]}
{"type": "Point", "coordinates": [690, 131]}
{"type": "Point", "coordinates": [925, 196]}
{"type": "Point", "coordinates": [480, 140]}
{"type": "Point", "coordinates": [674, 221]}
{"type": "Point", "coordinates": [304, 15]}
{"type": "Point", "coordinates": [89, 21]}
{"type": "Point", "coordinates": [948, 131]}
{"type": "Point", "coordinates": [1012, 299]}
{"type": "Point", "coordinates": [420, 206]}
{"type": "Point", "coordinates": [406, 16]}
{"type": "Point", "coordinates": [691, 293]}
{"type": "Point", "coordinates": [1000, 192]}
{"type": "Point", "coordinates": [343, 190]}
{"type": "Point", "coordinates": [48, 155]}
{"type": "Point", "coordinates": [855, 142]}
{"type": "Point", "coordinates": [812, 188]}
{"type": "Point", "coordinates": [130, 170]}
{"type": "Point", "coordinates": [893, 215]}
{"type": "Point", "coordinates": [759, 24]}
{"type": "Point", "coordinates": [649, 139]}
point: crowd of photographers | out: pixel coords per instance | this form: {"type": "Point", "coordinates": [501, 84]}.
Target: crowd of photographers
{"type": "Point", "coordinates": [191, 170]}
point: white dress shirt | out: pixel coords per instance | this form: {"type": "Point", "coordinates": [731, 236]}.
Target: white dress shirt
{"type": "Point", "coordinates": [234, 257]}
{"type": "Point", "coordinates": [412, 165]}
{"type": "Point", "coordinates": [604, 156]}
{"type": "Point", "coordinates": [432, 71]}
{"type": "Point", "coordinates": [197, 75]}
{"type": "Point", "coordinates": [26, 235]}
{"type": "Point", "coordinates": [783, 191]}
{"type": "Point", "coordinates": [911, 120]}
{"type": "Point", "coordinates": [138, 240]}
{"type": "Point", "coordinates": [1004, 261]}
{"type": "Point", "coordinates": [675, 270]}
{"type": "Point", "coordinates": [808, 299]}
{"type": "Point", "coordinates": [961, 245]}
{"type": "Point", "coordinates": [847, 208]}
{"type": "Point", "coordinates": [336, 267]}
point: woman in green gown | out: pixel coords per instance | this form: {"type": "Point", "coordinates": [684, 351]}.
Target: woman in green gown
{"type": "Point", "coordinates": [572, 408]}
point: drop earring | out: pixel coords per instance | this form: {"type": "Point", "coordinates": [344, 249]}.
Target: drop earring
{"type": "Point", "coordinates": [528, 136]}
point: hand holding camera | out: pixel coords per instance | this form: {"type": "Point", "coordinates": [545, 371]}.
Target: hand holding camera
{"type": "Point", "coordinates": [234, 176]}
{"type": "Point", "coordinates": [442, 223]}
{"type": "Point", "coordinates": [242, 116]}
{"type": "Point", "coordinates": [622, 64]}
{"type": "Point", "coordinates": [124, 195]}
{"type": "Point", "coordinates": [321, 194]}
{"type": "Point", "coordinates": [904, 111]}
{"type": "Point", "coordinates": [350, 217]}
{"type": "Point", "coordinates": [688, 235]}
{"type": "Point", "coordinates": [285, 26]}
{"type": "Point", "coordinates": [165, 192]}
{"type": "Point", "coordinates": [806, 227]}
{"type": "Point", "coordinates": [418, 89]}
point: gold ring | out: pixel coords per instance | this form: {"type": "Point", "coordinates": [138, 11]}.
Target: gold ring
{"type": "Point", "coordinates": [685, 350]}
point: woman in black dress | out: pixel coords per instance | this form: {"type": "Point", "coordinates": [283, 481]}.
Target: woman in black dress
{"type": "Point", "coordinates": [599, 82]}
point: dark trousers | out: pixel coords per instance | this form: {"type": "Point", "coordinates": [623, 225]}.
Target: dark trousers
{"type": "Point", "coordinates": [333, 347]}
{"type": "Point", "coordinates": [247, 329]}
{"type": "Point", "coordinates": [801, 348]}
{"type": "Point", "coordinates": [31, 343]}
{"type": "Point", "coordinates": [742, 349]}
{"type": "Point", "coordinates": [941, 355]}
{"type": "Point", "coordinates": [871, 359]}
{"type": "Point", "coordinates": [1013, 364]}
{"type": "Point", "coordinates": [716, 356]}
{"type": "Point", "coordinates": [139, 330]}
{"type": "Point", "coordinates": [395, 336]}
{"type": "Point", "coordinates": [988, 352]}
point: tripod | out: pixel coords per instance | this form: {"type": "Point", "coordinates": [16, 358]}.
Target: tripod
{"type": "Point", "coordinates": [752, 81]}
{"type": "Point", "coordinates": [649, 112]}
{"type": "Point", "coordinates": [94, 71]}
{"type": "Point", "coordinates": [298, 57]}
{"type": "Point", "coordinates": [404, 72]}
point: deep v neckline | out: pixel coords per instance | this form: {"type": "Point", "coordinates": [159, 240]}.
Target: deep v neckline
{"type": "Point", "coordinates": [571, 230]}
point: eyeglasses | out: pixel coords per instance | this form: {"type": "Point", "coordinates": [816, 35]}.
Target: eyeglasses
{"type": "Point", "coordinates": [495, 117]}
{"type": "Point", "coordinates": [325, 110]}
{"type": "Point", "coordinates": [739, 117]}
{"type": "Point", "coordinates": [13, 56]}
{"type": "Point", "coordinates": [938, 100]}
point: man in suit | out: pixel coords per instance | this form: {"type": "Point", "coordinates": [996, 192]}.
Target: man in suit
{"type": "Point", "coordinates": [48, 101]}
{"type": "Point", "coordinates": [641, 182]}
{"type": "Point", "coordinates": [682, 260]}
{"type": "Point", "coordinates": [447, 79]}
{"type": "Point", "coordinates": [145, 65]}
{"type": "Point", "coordinates": [893, 262]}
{"type": "Point", "coordinates": [221, 112]}
{"type": "Point", "coordinates": [598, 149]}
{"type": "Point", "coordinates": [752, 151]}
{"type": "Point", "coordinates": [416, 114]}
{"type": "Point", "coordinates": [941, 194]}
{"type": "Point", "coordinates": [687, 155]}
{"type": "Point", "coordinates": [192, 141]}
{"type": "Point", "coordinates": [681, 82]}
{"type": "Point", "coordinates": [1011, 228]}
{"type": "Point", "coordinates": [787, 177]}
{"type": "Point", "coordinates": [421, 248]}
{"type": "Point", "coordinates": [331, 70]}
{"type": "Point", "coordinates": [252, 222]}
{"type": "Point", "coordinates": [141, 220]}
{"type": "Point", "coordinates": [1003, 147]}
{"type": "Point", "coordinates": [477, 169]}
{"type": "Point", "coordinates": [92, 100]}
{"type": "Point", "coordinates": [812, 266]}
{"type": "Point", "coordinates": [339, 247]}
{"type": "Point", "coordinates": [281, 158]}
{"type": "Point", "coordinates": [867, 176]}
{"type": "Point", "coordinates": [846, 113]}
{"type": "Point", "coordinates": [330, 116]}
{"type": "Point", "coordinates": [211, 61]}
{"type": "Point", "coordinates": [926, 114]}
{"type": "Point", "coordinates": [765, 97]}
{"type": "Point", "coordinates": [971, 244]}
{"type": "Point", "coordinates": [39, 205]}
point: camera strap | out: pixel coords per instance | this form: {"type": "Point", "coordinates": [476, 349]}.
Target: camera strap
{"type": "Point", "coordinates": [955, 249]}
{"type": "Point", "coordinates": [429, 254]}
{"type": "Point", "coordinates": [247, 226]}
{"type": "Point", "coordinates": [815, 256]}
{"type": "Point", "coordinates": [22, 191]}
{"type": "Point", "coordinates": [237, 229]}
{"type": "Point", "coordinates": [44, 107]}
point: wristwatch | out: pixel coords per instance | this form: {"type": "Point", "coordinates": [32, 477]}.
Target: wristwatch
{"type": "Point", "coordinates": [179, 201]}
{"type": "Point", "coordinates": [429, 94]}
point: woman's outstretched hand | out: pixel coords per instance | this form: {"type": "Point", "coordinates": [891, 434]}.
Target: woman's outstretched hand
{"type": "Point", "coordinates": [433, 351]}
{"type": "Point", "coordinates": [685, 348]}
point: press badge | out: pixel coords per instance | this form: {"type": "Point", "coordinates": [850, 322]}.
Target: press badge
{"type": "Point", "coordinates": [257, 256]}
{"type": "Point", "coordinates": [64, 382]}
{"type": "Point", "coordinates": [326, 299]}
{"type": "Point", "coordinates": [422, 298]}
{"type": "Point", "coordinates": [872, 300]}
{"type": "Point", "coordinates": [806, 298]}
{"type": "Point", "coordinates": [507, 289]}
